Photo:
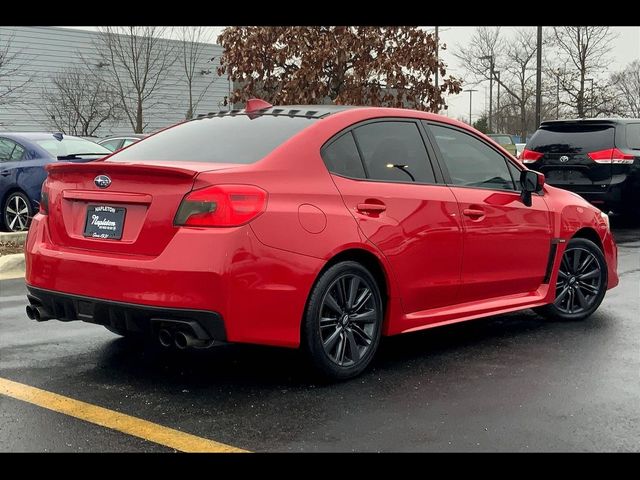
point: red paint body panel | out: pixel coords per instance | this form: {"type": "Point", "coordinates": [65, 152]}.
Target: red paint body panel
{"type": "Point", "coordinates": [441, 265]}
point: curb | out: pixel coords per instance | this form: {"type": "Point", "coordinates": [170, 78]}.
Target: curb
{"type": "Point", "coordinates": [13, 237]}
{"type": "Point", "coordinates": [12, 266]}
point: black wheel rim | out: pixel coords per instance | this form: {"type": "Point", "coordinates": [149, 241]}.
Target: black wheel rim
{"type": "Point", "coordinates": [579, 281]}
{"type": "Point", "coordinates": [349, 319]}
{"type": "Point", "coordinates": [16, 214]}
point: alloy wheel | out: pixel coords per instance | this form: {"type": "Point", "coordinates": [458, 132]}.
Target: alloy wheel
{"type": "Point", "coordinates": [348, 320]}
{"type": "Point", "coordinates": [579, 281]}
{"type": "Point", "coordinates": [16, 214]}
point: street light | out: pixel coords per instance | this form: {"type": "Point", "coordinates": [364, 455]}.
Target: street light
{"type": "Point", "coordinates": [470, 96]}
{"type": "Point", "coordinates": [589, 80]}
{"type": "Point", "coordinates": [497, 74]}
{"type": "Point", "coordinates": [490, 58]}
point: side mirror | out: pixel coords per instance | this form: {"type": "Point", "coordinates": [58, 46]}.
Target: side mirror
{"type": "Point", "coordinates": [531, 182]}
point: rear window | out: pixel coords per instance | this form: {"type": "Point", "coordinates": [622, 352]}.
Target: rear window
{"type": "Point", "coordinates": [633, 136]}
{"type": "Point", "coordinates": [572, 139]}
{"type": "Point", "coordinates": [227, 139]}
{"type": "Point", "coordinates": [72, 146]}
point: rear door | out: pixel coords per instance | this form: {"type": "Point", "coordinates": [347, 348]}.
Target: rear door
{"type": "Point", "coordinates": [387, 182]}
{"type": "Point", "coordinates": [573, 155]}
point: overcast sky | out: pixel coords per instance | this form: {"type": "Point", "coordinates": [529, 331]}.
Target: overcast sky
{"type": "Point", "coordinates": [626, 48]}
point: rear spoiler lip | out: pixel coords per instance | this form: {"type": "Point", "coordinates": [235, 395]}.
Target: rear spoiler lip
{"type": "Point", "coordinates": [104, 167]}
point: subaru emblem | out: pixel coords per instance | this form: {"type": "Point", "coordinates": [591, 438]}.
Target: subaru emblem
{"type": "Point", "coordinates": [564, 159]}
{"type": "Point", "coordinates": [102, 181]}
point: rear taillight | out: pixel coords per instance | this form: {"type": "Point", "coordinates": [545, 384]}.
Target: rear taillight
{"type": "Point", "coordinates": [221, 206]}
{"type": "Point", "coordinates": [610, 155]}
{"type": "Point", "coordinates": [529, 156]}
{"type": "Point", "coordinates": [44, 200]}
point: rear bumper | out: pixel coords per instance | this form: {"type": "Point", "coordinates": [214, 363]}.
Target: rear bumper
{"type": "Point", "coordinates": [148, 320]}
{"type": "Point", "coordinates": [613, 196]}
{"type": "Point", "coordinates": [259, 292]}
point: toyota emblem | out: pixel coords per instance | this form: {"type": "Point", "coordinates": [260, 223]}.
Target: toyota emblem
{"type": "Point", "coordinates": [564, 159]}
{"type": "Point", "coordinates": [102, 181]}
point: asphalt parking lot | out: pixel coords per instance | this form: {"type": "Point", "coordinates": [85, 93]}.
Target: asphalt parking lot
{"type": "Point", "coordinates": [508, 383]}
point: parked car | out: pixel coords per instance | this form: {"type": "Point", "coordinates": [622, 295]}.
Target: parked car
{"type": "Point", "coordinates": [519, 148]}
{"type": "Point", "coordinates": [319, 227]}
{"type": "Point", "coordinates": [597, 158]}
{"type": "Point", "coordinates": [116, 142]}
{"type": "Point", "coordinates": [505, 141]}
{"type": "Point", "coordinates": [22, 160]}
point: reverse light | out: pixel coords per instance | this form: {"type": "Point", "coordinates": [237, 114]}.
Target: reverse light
{"type": "Point", "coordinates": [530, 156]}
{"type": "Point", "coordinates": [610, 155]}
{"type": "Point", "coordinates": [221, 206]}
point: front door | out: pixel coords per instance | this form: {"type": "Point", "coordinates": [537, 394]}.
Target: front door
{"type": "Point", "coordinates": [506, 244]}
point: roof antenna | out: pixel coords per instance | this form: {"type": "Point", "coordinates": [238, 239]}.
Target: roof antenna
{"type": "Point", "coordinates": [256, 104]}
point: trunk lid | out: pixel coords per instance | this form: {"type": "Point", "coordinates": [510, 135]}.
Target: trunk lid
{"type": "Point", "coordinates": [146, 196]}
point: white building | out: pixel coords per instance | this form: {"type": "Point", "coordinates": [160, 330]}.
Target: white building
{"type": "Point", "coordinates": [42, 52]}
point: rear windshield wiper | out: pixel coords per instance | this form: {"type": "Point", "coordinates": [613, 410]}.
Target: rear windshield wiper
{"type": "Point", "coordinates": [78, 155]}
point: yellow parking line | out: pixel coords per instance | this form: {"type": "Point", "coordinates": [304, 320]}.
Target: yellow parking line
{"type": "Point", "coordinates": [121, 422]}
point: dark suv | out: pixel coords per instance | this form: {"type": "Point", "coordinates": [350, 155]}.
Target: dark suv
{"type": "Point", "coordinates": [597, 158]}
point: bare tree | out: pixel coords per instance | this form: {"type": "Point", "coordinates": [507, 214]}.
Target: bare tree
{"type": "Point", "coordinates": [627, 86]}
{"type": "Point", "coordinates": [194, 59]}
{"type": "Point", "coordinates": [582, 54]}
{"type": "Point", "coordinates": [514, 58]}
{"type": "Point", "coordinates": [12, 76]}
{"type": "Point", "coordinates": [79, 104]}
{"type": "Point", "coordinates": [138, 61]}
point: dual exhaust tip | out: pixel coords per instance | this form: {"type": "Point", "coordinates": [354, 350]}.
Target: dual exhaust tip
{"type": "Point", "coordinates": [180, 339]}
{"type": "Point", "coordinates": [37, 313]}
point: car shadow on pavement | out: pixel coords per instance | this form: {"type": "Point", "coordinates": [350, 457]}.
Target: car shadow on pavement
{"type": "Point", "coordinates": [500, 337]}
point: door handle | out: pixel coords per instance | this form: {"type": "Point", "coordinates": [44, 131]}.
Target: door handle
{"type": "Point", "coordinates": [371, 207]}
{"type": "Point", "coordinates": [5, 173]}
{"type": "Point", "coordinates": [473, 213]}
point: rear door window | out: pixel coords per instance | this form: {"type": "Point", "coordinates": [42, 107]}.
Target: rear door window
{"type": "Point", "coordinates": [393, 151]}
{"type": "Point", "coordinates": [572, 139]}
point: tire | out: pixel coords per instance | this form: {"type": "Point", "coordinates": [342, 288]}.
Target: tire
{"type": "Point", "coordinates": [577, 299]}
{"type": "Point", "coordinates": [16, 212]}
{"type": "Point", "coordinates": [343, 321]}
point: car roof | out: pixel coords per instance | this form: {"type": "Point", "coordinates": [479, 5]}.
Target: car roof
{"type": "Point", "coordinates": [128, 135]}
{"type": "Point", "coordinates": [592, 121]}
{"type": "Point", "coordinates": [34, 135]}
{"type": "Point", "coordinates": [323, 111]}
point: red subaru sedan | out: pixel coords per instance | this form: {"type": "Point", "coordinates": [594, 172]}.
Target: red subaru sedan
{"type": "Point", "coordinates": [319, 227]}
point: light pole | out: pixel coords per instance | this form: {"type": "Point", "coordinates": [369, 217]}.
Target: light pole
{"type": "Point", "coordinates": [497, 74]}
{"type": "Point", "coordinates": [539, 77]}
{"type": "Point", "coordinates": [470, 96]}
{"type": "Point", "coordinates": [437, 47]}
{"type": "Point", "coordinates": [591, 102]}
{"type": "Point", "coordinates": [490, 58]}
{"type": "Point", "coordinates": [558, 96]}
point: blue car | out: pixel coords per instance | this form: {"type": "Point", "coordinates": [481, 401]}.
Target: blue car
{"type": "Point", "coordinates": [23, 157]}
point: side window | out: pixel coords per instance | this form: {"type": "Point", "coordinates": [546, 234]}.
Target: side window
{"type": "Point", "coordinates": [128, 141]}
{"type": "Point", "coordinates": [18, 153]}
{"type": "Point", "coordinates": [470, 162]}
{"type": "Point", "coordinates": [515, 174]}
{"type": "Point", "coordinates": [393, 151]}
{"type": "Point", "coordinates": [112, 145]}
{"type": "Point", "coordinates": [342, 157]}
{"type": "Point", "coordinates": [6, 149]}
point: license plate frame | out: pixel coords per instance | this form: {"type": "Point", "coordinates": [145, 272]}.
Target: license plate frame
{"type": "Point", "coordinates": [104, 222]}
